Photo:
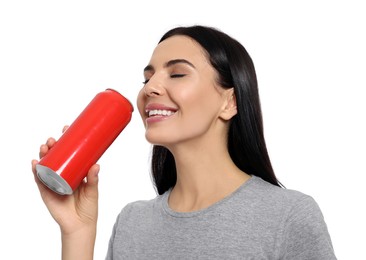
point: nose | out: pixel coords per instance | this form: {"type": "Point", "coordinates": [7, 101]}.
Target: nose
{"type": "Point", "coordinates": [153, 88]}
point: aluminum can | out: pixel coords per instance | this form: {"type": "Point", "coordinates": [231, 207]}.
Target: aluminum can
{"type": "Point", "coordinates": [67, 163]}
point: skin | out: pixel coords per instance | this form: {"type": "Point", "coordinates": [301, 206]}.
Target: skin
{"type": "Point", "coordinates": [179, 78]}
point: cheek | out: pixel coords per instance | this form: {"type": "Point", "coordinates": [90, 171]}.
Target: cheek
{"type": "Point", "coordinates": [200, 101]}
{"type": "Point", "coordinates": [200, 109]}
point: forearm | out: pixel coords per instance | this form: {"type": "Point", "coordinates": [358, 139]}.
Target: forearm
{"type": "Point", "coordinates": [79, 245]}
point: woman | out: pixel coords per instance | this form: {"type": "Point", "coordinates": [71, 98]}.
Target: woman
{"type": "Point", "coordinates": [218, 195]}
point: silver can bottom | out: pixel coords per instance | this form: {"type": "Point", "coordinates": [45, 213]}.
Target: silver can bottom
{"type": "Point", "coordinates": [52, 180]}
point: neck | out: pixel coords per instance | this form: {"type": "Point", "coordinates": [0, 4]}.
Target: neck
{"type": "Point", "coordinates": [204, 177]}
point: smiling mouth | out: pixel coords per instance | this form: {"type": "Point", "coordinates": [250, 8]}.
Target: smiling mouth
{"type": "Point", "coordinates": [159, 112]}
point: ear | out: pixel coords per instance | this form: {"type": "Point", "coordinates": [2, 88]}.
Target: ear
{"type": "Point", "coordinates": [229, 108]}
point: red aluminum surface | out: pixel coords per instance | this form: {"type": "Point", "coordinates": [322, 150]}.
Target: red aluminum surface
{"type": "Point", "coordinates": [88, 137]}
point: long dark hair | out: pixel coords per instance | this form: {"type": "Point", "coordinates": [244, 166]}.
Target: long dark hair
{"type": "Point", "coordinates": [246, 143]}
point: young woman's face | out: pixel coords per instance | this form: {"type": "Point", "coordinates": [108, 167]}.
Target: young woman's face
{"type": "Point", "coordinates": [180, 101]}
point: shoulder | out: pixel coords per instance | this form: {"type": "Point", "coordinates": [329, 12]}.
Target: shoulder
{"type": "Point", "coordinates": [296, 208]}
{"type": "Point", "coordinates": [304, 233]}
{"type": "Point", "coordinates": [277, 197]}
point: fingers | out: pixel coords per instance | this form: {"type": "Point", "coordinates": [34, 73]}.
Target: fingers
{"type": "Point", "coordinates": [65, 128]}
{"type": "Point", "coordinates": [44, 148]}
{"type": "Point", "coordinates": [40, 185]}
{"type": "Point", "coordinates": [51, 142]}
{"type": "Point", "coordinates": [34, 163]}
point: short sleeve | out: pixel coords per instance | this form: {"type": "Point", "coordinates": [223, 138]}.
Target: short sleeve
{"type": "Point", "coordinates": [119, 221]}
{"type": "Point", "coordinates": [111, 241]}
{"type": "Point", "coordinates": [306, 235]}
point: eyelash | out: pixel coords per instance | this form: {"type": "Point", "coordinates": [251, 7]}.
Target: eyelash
{"type": "Point", "coordinates": [172, 76]}
{"type": "Point", "coordinates": [177, 75]}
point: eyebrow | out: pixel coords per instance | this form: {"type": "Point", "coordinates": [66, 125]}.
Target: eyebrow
{"type": "Point", "coordinates": [170, 63]}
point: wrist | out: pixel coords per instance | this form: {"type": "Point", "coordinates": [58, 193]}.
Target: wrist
{"type": "Point", "coordinates": [79, 245]}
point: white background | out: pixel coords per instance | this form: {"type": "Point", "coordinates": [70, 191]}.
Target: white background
{"type": "Point", "coordinates": [55, 56]}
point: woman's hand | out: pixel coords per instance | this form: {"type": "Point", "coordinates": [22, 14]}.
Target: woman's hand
{"type": "Point", "coordinates": [77, 213]}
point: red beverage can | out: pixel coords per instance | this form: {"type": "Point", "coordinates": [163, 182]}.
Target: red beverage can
{"type": "Point", "coordinates": [67, 163]}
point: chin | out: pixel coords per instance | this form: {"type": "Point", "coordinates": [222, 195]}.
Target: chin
{"type": "Point", "coordinates": [155, 139]}
{"type": "Point", "coordinates": [159, 139]}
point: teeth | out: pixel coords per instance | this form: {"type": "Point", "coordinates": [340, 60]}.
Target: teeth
{"type": "Point", "coordinates": [160, 112]}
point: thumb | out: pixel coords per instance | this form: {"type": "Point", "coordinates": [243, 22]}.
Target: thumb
{"type": "Point", "coordinates": [92, 181]}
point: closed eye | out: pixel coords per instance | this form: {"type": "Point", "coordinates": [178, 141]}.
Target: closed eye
{"type": "Point", "coordinates": [172, 76]}
{"type": "Point", "coordinates": [177, 75]}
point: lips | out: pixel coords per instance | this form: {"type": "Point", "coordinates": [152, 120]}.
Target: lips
{"type": "Point", "coordinates": [158, 112]}
{"type": "Point", "coordinates": [152, 110]}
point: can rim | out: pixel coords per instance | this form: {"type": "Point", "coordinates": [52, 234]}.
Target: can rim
{"type": "Point", "coordinates": [52, 180]}
{"type": "Point", "coordinates": [111, 89]}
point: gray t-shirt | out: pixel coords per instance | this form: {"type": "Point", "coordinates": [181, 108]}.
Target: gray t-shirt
{"type": "Point", "coordinates": [257, 221]}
